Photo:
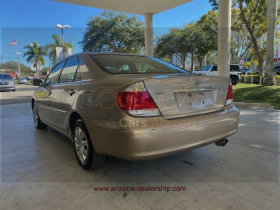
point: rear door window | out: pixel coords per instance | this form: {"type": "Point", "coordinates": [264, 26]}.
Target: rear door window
{"type": "Point", "coordinates": [54, 75]}
{"type": "Point", "coordinates": [69, 71]}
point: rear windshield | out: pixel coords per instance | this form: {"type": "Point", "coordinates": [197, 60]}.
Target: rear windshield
{"type": "Point", "coordinates": [5, 76]}
{"type": "Point", "coordinates": [126, 64]}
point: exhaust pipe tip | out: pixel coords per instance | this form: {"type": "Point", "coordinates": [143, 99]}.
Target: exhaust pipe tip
{"type": "Point", "coordinates": [222, 143]}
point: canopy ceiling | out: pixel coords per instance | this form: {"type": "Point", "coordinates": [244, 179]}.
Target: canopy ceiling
{"type": "Point", "coordinates": [139, 7]}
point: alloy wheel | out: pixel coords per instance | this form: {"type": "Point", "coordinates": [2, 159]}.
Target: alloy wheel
{"type": "Point", "coordinates": [81, 145]}
{"type": "Point", "coordinates": [35, 115]}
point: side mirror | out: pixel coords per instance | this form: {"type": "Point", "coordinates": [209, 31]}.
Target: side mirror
{"type": "Point", "coordinates": [37, 82]}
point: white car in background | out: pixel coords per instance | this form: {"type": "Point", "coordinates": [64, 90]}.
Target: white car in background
{"type": "Point", "coordinates": [22, 80]}
{"type": "Point", "coordinates": [7, 82]}
{"type": "Point", "coordinates": [235, 74]}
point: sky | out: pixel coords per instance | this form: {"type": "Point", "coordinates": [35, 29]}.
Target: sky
{"type": "Point", "coordinates": [34, 20]}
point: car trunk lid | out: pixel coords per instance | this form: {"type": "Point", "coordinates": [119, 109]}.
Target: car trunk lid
{"type": "Point", "coordinates": [185, 95]}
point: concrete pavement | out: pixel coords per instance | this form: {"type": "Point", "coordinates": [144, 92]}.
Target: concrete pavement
{"type": "Point", "coordinates": [39, 169]}
{"type": "Point", "coordinates": [22, 94]}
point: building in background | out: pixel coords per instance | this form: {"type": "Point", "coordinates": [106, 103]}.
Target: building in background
{"type": "Point", "coordinates": [8, 71]}
{"type": "Point", "coordinates": [59, 53]}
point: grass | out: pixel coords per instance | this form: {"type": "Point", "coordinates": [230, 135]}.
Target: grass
{"type": "Point", "coordinates": [257, 94]}
{"type": "Point", "coordinates": [29, 82]}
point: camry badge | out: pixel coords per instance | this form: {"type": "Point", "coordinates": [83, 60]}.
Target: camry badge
{"type": "Point", "coordinates": [197, 82]}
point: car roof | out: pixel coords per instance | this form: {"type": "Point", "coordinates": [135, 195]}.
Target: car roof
{"type": "Point", "coordinates": [4, 73]}
{"type": "Point", "coordinates": [126, 54]}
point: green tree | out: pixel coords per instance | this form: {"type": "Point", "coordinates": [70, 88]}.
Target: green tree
{"type": "Point", "coordinates": [206, 36]}
{"type": "Point", "coordinates": [178, 42]}
{"type": "Point", "coordinates": [247, 65]}
{"type": "Point", "coordinates": [255, 63]}
{"type": "Point", "coordinates": [240, 40]}
{"type": "Point", "coordinates": [195, 40]}
{"type": "Point", "coordinates": [209, 24]}
{"type": "Point", "coordinates": [114, 32]}
{"type": "Point", "coordinates": [35, 53]}
{"type": "Point", "coordinates": [212, 58]}
{"type": "Point", "coordinates": [13, 67]}
{"type": "Point", "coordinates": [201, 45]}
{"type": "Point", "coordinates": [51, 48]}
{"type": "Point", "coordinates": [10, 65]}
{"type": "Point", "coordinates": [45, 71]}
{"type": "Point", "coordinates": [168, 58]}
{"type": "Point", "coordinates": [269, 78]}
{"type": "Point", "coordinates": [170, 44]}
{"type": "Point", "coordinates": [252, 14]}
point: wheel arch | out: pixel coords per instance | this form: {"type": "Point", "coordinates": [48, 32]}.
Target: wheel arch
{"type": "Point", "coordinates": [32, 103]}
{"type": "Point", "coordinates": [236, 78]}
{"type": "Point", "coordinates": [74, 116]}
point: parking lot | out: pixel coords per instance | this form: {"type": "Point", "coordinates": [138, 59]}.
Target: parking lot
{"type": "Point", "coordinates": [39, 168]}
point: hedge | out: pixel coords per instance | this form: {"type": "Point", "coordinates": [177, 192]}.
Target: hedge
{"type": "Point", "coordinates": [256, 79]}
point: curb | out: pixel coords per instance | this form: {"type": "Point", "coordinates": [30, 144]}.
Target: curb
{"type": "Point", "coordinates": [253, 105]}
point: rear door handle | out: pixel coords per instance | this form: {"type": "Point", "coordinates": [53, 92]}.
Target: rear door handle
{"type": "Point", "coordinates": [71, 92]}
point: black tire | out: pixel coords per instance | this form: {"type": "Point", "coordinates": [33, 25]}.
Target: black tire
{"type": "Point", "coordinates": [92, 160]}
{"type": "Point", "coordinates": [37, 122]}
{"type": "Point", "coordinates": [234, 80]}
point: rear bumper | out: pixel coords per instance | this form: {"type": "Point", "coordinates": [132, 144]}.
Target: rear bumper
{"type": "Point", "coordinates": [149, 138]}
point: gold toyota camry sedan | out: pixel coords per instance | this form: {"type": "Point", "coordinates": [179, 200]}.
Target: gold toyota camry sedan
{"type": "Point", "coordinates": [132, 107]}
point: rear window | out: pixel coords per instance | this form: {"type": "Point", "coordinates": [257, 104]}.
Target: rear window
{"type": "Point", "coordinates": [234, 68]}
{"type": "Point", "coordinates": [69, 70]}
{"type": "Point", "coordinates": [5, 76]}
{"type": "Point", "coordinates": [126, 64]}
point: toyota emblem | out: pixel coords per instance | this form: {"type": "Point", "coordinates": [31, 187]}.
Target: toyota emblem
{"type": "Point", "coordinates": [197, 82]}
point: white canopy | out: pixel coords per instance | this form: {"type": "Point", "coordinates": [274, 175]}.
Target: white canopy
{"type": "Point", "coordinates": [139, 7]}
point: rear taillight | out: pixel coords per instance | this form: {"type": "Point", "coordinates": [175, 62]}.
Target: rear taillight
{"type": "Point", "coordinates": [229, 95]}
{"type": "Point", "coordinates": [137, 101]}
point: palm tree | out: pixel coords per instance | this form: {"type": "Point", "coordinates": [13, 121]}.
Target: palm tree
{"type": "Point", "coordinates": [269, 78]}
{"type": "Point", "coordinates": [51, 47]}
{"type": "Point", "coordinates": [35, 53]}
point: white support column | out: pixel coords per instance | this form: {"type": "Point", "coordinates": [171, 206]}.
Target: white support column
{"type": "Point", "coordinates": [149, 34]}
{"type": "Point", "coordinates": [224, 34]}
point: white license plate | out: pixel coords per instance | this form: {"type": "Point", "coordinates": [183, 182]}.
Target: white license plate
{"type": "Point", "coordinates": [197, 100]}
